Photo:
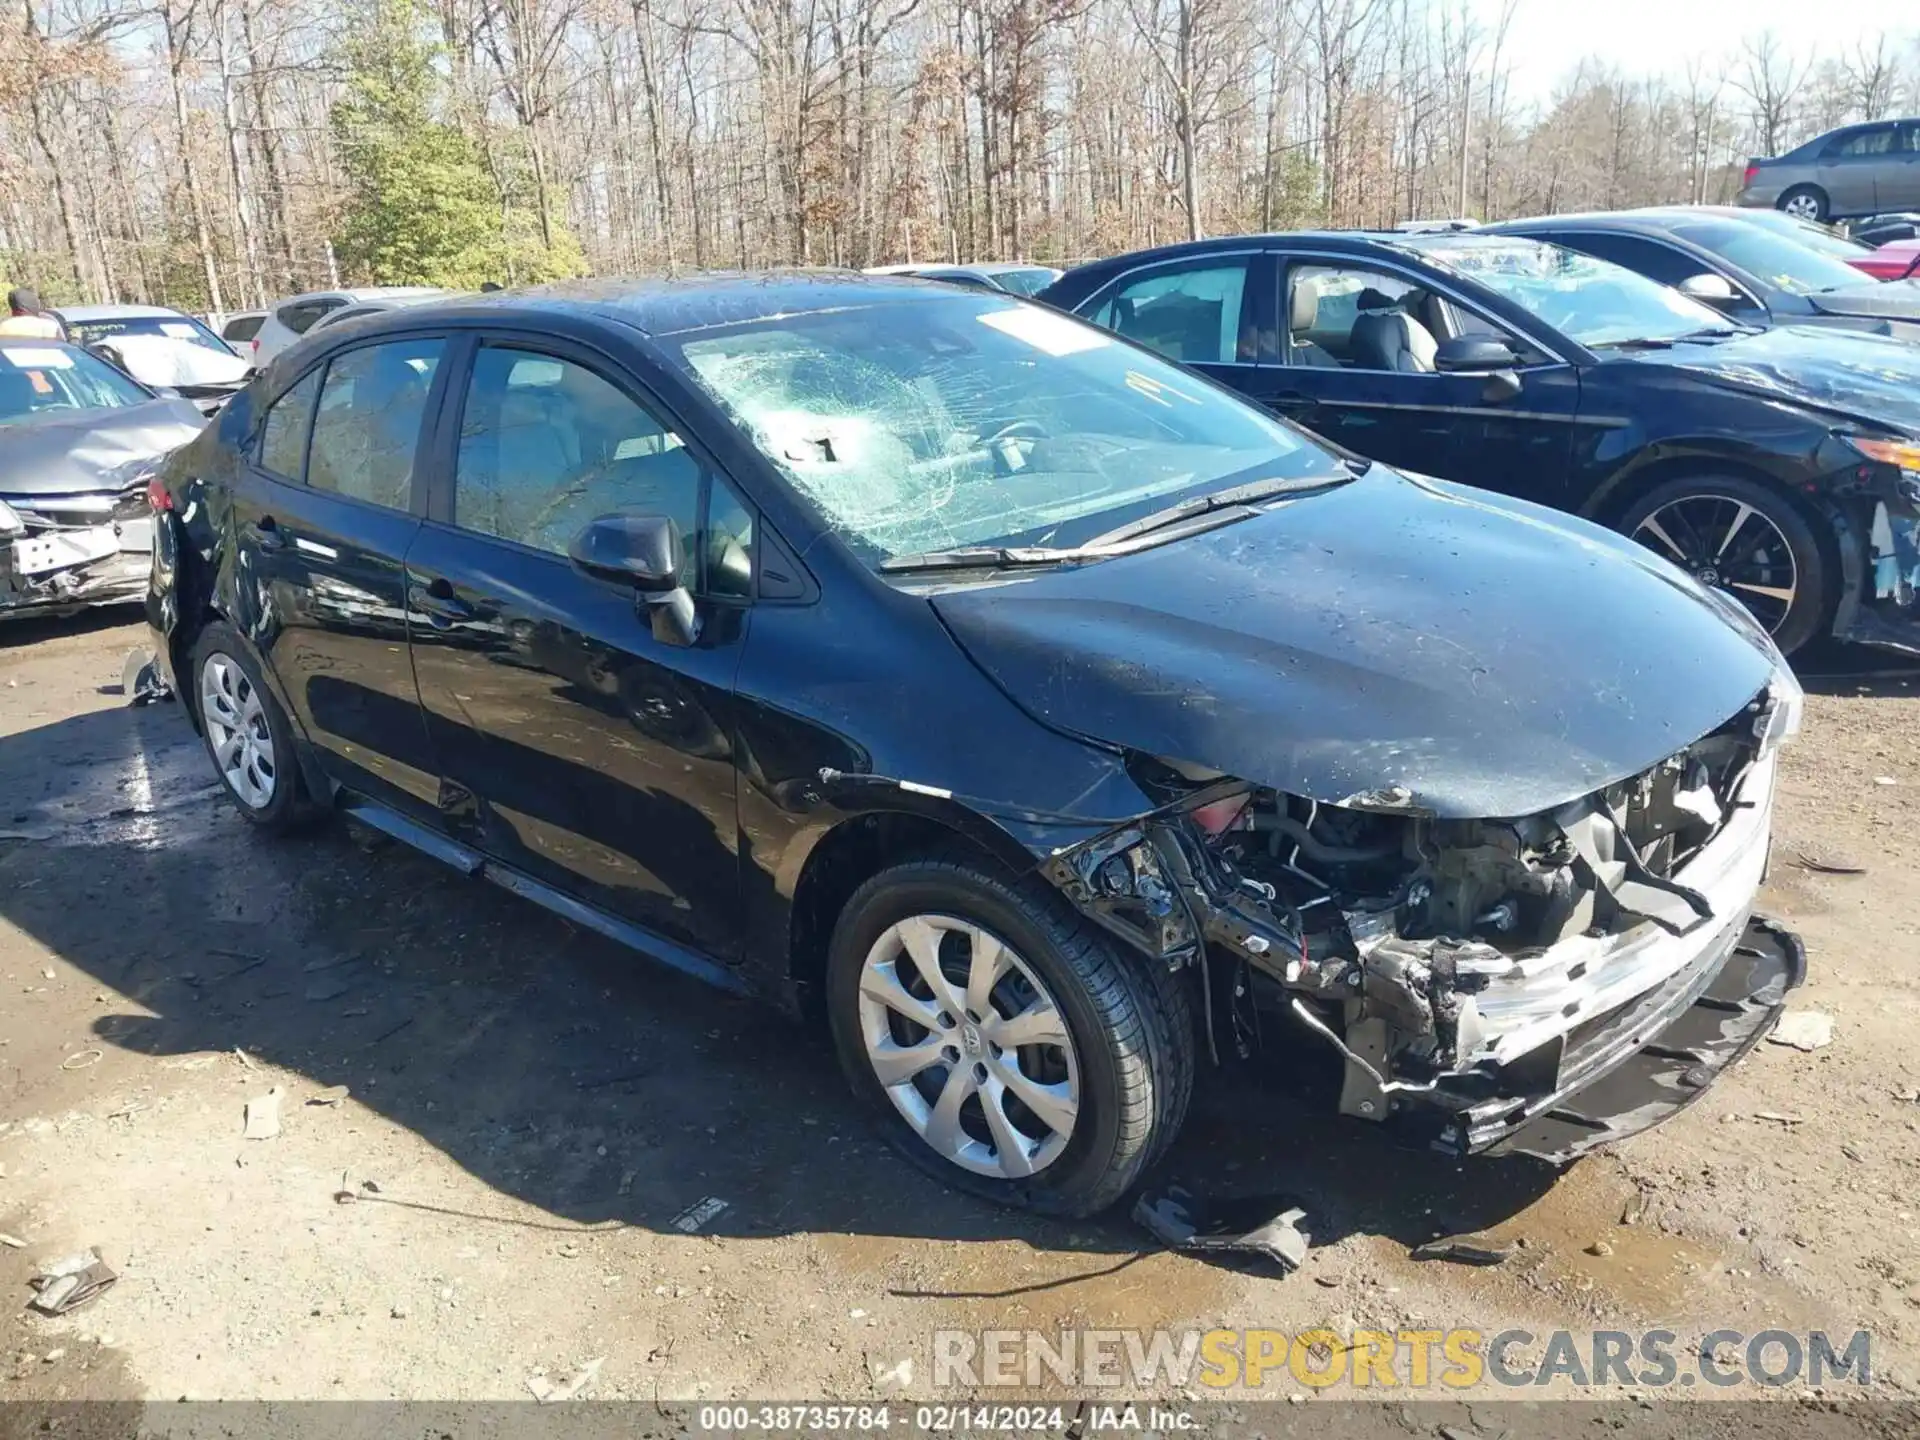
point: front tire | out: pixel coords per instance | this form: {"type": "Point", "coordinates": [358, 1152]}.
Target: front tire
{"type": "Point", "coordinates": [1006, 1046]}
{"type": "Point", "coordinates": [1747, 539]}
{"type": "Point", "coordinates": [247, 734]}
{"type": "Point", "coordinates": [1805, 202]}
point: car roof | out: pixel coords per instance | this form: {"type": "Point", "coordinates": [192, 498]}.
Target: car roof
{"type": "Point", "coordinates": [671, 304]}
{"type": "Point", "coordinates": [118, 312]}
{"type": "Point", "coordinates": [355, 296]}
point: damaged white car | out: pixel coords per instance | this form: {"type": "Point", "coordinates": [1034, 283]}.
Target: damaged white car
{"type": "Point", "coordinates": [79, 442]}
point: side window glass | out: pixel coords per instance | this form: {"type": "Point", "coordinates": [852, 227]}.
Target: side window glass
{"type": "Point", "coordinates": [546, 445]}
{"type": "Point", "coordinates": [1195, 316]}
{"type": "Point", "coordinates": [1644, 257]}
{"type": "Point", "coordinates": [1359, 319]}
{"type": "Point", "coordinates": [727, 543]}
{"type": "Point", "coordinates": [283, 438]}
{"type": "Point", "coordinates": [1865, 145]}
{"type": "Point", "coordinates": [367, 429]}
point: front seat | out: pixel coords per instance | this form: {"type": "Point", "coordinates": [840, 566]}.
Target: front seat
{"type": "Point", "coordinates": [1385, 337]}
{"type": "Point", "coordinates": [1303, 313]}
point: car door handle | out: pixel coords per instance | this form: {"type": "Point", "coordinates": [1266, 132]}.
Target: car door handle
{"type": "Point", "coordinates": [437, 602]}
{"type": "Point", "coordinates": [267, 536]}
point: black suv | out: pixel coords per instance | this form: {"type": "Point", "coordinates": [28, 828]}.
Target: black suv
{"type": "Point", "coordinates": [1782, 466]}
{"type": "Point", "coordinates": [1034, 710]}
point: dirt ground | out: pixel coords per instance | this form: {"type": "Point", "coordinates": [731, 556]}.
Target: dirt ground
{"type": "Point", "coordinates": [531, 1108]}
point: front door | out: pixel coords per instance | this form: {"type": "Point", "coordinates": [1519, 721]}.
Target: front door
{"type": "Point", "coordinates": [1359, 351]}
{"type": "Point", "coordinates": [1851, 167]}
{"type": "Point", "coordinates": [574, 744]}
{"type": "Point", "coordinates": [322, 523]}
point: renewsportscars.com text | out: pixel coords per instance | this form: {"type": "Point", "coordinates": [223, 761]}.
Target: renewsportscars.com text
{"type": "Point", "coordinates": [1446, 1360]}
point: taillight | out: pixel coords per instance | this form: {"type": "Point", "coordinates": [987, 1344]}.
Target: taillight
{"type": "Point", "coordinates": [255, 342]}
{"type": "Point", "coordinates": [159, 498]}
{"type": "Point", "coordinates": [1753, 171]}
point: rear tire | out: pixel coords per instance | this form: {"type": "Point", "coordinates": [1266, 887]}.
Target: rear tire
{"type": "Point", "coordinates": [1111, 1072]}
{"type": "Point", "coordinates": [1747, 539]}
{"type": "Point", "coordinates": [247, 734]}
{"type": "Point", "coordinates": [1804, 202]}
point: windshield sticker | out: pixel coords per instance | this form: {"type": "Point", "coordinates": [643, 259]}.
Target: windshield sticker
{"type": "Point", "coordinates": [1046, 332]}
{"type": "Point", "coordinates": [22, 358]}
{"type": "Point", "coordinates": [179, 330]}
{"type": "Point", "coordinates": [40, 383]}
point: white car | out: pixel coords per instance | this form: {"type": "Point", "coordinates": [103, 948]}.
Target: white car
{"type": "Point", "coordinates": [378, 304]}
{"type": "Point", "coordinates": [90, 324]}
{"type": "Point", "coordinates": [291, 318]}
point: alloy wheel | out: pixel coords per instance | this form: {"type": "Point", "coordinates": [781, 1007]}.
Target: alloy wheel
{"type": "Point", "coordinates": [1727, 543]}
{"type": "Point", "coordinates": [1802, 207]}
{"type": "Point", "coordinates": [969, 1045]}
{"type": "Point", "coordinates": [237, 730]}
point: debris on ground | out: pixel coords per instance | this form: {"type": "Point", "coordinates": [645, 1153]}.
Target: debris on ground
{"type": "Point", "coordinates": [70, 1282]}
{"type": "Point", "coordinates": [1635, 1207]}
{"type": "Point", "coordinates": [263, 1115]}
{"type": "Point", "coordinates": [689, 1220]}
{"type": "Point", "coordinates": [1778, 1118]}
{"type": "Point", "coordinates": [1823, 862]}
{"type": "Point", "coordinates": [244, 1058]}
{"type": "Point", "coordinates": [1465, 1250]}
{"type": "Point", "coordinates": [1885, 780]}
{"type": "Point", "coordinates": [12, 1242]}
{"type": "Point", "coordinates": [881, 1373]}
{"type": "Point", "coordinates": [1249, 1225]}
{"type": "Point", "coordinates": [548, 1392]}
{"type": "Point", "coordinates": [332, 1095]}
{"type": "Point", "coordinates": [82, 1059]}
{"type": "Point", "coordinates": [1803, 1030]}
{"type": "Point", "coordinates": [1600, 1247]}
{"type": "Point", "coordinates": [140, 682]}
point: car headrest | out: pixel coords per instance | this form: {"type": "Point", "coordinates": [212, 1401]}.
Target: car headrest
{"type": "Point", "coordinates": [1371, 301]}
{"type": "Point", "coordinates": [1304, 308]}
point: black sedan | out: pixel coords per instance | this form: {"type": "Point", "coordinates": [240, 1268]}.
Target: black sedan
{"type": "Point", "coordinates": [1782, 466]}
{"type": "Point", "coordinates": [1757, 267]}
{"type": "Point", "coordinates": [1031, 710]}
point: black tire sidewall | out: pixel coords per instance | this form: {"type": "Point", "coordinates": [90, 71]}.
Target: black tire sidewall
{"type": "Point", "coordinates": [286, 808]}
{"type": "Point", "coordinates": [1819, 199]}
{"type": "Point", "coordinates": [1813, 559]}
{"type": "Point", "coordinates": [941, 889]}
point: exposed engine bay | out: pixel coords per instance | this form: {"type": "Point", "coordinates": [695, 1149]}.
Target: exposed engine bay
{"type": "Point", "coordinates": [1452, 963]}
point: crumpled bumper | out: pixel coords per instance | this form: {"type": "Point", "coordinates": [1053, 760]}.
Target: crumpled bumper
{"type": "Point", "coordinates": [1888, 613]}
{"type": "Point", "coordinates": [1629, 1070]}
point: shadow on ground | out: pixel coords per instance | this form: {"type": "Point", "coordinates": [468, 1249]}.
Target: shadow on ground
{"type": "Point", "coordinates": [530, 1051]}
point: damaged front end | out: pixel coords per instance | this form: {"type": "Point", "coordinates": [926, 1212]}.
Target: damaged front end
{"type": "Point", "coordinates": [1541, 984]}
{"type": "Point", "coordinates": [63, 552]}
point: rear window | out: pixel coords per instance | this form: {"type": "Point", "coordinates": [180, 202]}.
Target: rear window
{"type": "Point", "coordinates": [299, 318]}
{"type": "Point", "coordinates": [243, 329]}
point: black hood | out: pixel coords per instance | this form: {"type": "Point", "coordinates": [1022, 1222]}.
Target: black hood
{"type": "Point", "coordinates": [1880, 299]}
{"type": "Point", "coordinates": [1869, 376]}
{"type": "Point", "coordinates": [1492, 657]}
{"type": "Point", "coordinates": [72, 452]}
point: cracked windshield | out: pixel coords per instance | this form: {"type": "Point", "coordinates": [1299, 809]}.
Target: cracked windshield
{"type": "Point", "coordinates": [934, 425]}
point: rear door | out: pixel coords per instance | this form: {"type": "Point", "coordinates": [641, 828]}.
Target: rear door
{"type": "Point", "coordinates": [321, 523]}
{"type": "Point", "coordinates": [575, 745]}
{"type": "Point", "coordinates": [1212, 313]}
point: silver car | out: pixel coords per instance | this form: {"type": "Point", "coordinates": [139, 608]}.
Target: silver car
{"type": "Point", "coordinates": [1855, 170]}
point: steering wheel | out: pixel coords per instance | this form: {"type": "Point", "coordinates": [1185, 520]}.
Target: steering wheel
{"type": "Point", "coordinates": [1018, 430]}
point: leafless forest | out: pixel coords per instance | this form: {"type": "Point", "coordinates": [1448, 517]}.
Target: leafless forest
{"type": "Point", "coordinates": [212, 154]}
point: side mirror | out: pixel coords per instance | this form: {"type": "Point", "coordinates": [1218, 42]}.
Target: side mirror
{"type": "Point", "coordinates": [1472, 354]}
{"type": "Point", "coordinates": [1480, 355]}
{"type": "Point", "coordinates": [1709, 289]}
{"type": "Point", "coordinates": [642, 551]}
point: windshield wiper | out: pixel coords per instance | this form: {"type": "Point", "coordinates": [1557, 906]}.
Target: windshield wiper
{"type": "Point", "coordinates": [1230, 498]}
{"type": "Point", "coordinates": [982, 557]}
